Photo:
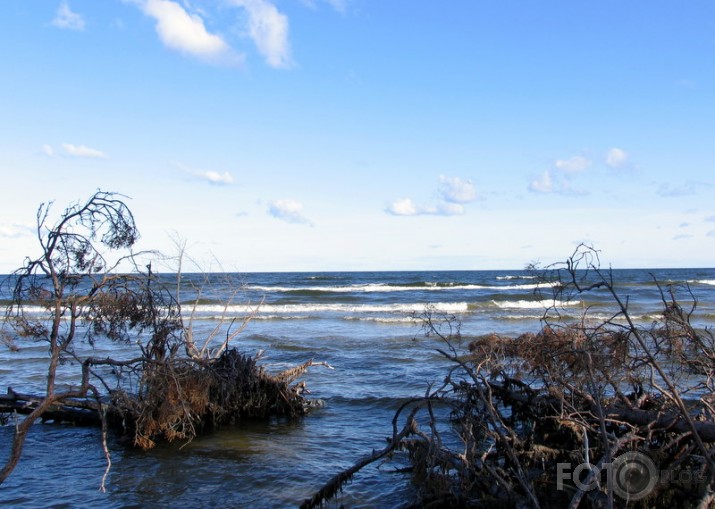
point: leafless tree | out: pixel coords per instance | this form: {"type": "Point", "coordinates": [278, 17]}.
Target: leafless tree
{"type": "Point", "coordinates": [88, 283]}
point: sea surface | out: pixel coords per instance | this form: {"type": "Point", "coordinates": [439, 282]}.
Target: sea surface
{"type": "Point", "coordinates": [366, 325]}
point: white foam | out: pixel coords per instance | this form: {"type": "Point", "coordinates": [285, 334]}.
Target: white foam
{"type": "Point", "coordinates": [710, 282]}
{"type": "Point", "coordinates": [274, 309]}
{"type": "Point", "coordinates": [385, 319]}
{"type": "Point", "coordinates": [381, 287]}
{"type": "Point", "coordinates": [533, 304]}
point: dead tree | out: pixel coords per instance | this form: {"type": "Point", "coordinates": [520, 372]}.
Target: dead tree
{"type": "Point", "coordinates": [73, 280]}
{"type": "Point", "coordinates": [88, 284]}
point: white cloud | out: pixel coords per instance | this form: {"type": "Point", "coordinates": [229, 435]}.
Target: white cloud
{"type": "Point", "coordinates": [543, 184]}
{"type": "Point", "coordinates": [211, 176]}
{"type": "Point", "coordinates": [406, 207]}
{"type": "Point", "coordinates": [575, 164]}
{"type": "Point", "coordinates": [616, 158]}
{"type": "Point", "coordinates": [15, 231]}
{"type": "Point", "coordinates": [268, 28]}
{"type": "Point", "coordinates": [561, 182]}
{"type": "Point", "coordinates": [290, 211]}
{"type": "Point", "coordinates": [453, 192]}
{"type": "Point", "coordinates": [215, 177]}
{"type": "Point", "coordinates": [185, 32]}
{"type": "Point", "coordinates": [710, 219]}
{"type": "Point", "coordinates": [402, 207]}
{"type": "Point", "coordinates": [456, 190]}
{"type": "Point", "coordinates": [67, 19]}
{"type": "Point", "coordinates": [83, 151]}
{"type": "Point", "coordinates": [48, 150]}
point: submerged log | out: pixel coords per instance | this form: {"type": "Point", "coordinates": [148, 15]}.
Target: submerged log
{"type": "Point", "coordinates": [80, 412]}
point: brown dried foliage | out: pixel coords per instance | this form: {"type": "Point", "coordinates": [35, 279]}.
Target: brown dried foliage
{"type": "Point", "coordinates": [179, 398]}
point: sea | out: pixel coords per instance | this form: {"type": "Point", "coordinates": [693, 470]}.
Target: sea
{"type": "Point", "coordinates": [367, 326]}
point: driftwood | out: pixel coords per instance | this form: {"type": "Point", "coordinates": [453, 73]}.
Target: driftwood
{"type": "Point", "coordinates": [80, 412]}
{"type": "Point", "coordinates": [178, 398]}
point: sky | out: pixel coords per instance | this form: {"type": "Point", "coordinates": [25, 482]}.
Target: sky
{"type": "Point", "coordinates": [311, 135]}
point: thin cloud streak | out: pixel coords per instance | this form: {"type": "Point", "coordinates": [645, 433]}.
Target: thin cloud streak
{"type": "Point", "coordinates": [81, 151]}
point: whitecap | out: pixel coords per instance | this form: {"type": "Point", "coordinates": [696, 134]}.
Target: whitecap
{"type": "Point", "coordinates": [533, 304]}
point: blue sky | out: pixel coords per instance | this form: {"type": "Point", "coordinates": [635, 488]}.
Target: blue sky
{"type": "Point", "coordinates": [368, 134]}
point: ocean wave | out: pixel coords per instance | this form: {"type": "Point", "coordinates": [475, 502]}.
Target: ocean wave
{"type": "Point", "coordinates": [281, 309]}
{"type": "Point", "coordinates": [508, 278]}
{"type": "Point", "coordinates": [386, 287]}
{"type": "Point", "coordinates": [533, 304]}
{"type": "Point", "coordinates": [521, 317]}
{"type": "Point", "coordinates": [273, 317]}
{"type": "Point", "coordinates": [385, 319]}
{"type": "Point", "coordinates": [709, 282]}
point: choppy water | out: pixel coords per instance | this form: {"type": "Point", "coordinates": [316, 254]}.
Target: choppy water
{"type": "Point", "coordinates": [362, 324]}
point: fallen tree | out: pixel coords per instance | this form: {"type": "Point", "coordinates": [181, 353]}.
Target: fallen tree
{"type": "Point", "coordinates": [593, 413]}
{"type": "Point", "coordinates": [77, 411]}
{"type": "Point", "coordinates": [88, 284]}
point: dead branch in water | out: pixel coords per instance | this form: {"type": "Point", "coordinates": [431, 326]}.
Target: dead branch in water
{"type": "Point", "coordinates": [587, 413]}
